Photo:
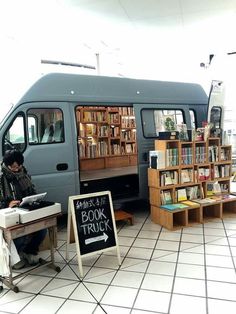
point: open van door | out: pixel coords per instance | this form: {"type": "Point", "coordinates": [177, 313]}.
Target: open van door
{"type": "Point", "coordinates": [215, 114]}
{"type": "Point", "coordinates": [148, 124]}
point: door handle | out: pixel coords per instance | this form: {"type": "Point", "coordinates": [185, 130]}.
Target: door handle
{"type": "Point", "coordinates": [62, 167]}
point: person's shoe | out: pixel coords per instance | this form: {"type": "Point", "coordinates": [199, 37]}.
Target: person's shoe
{"type": "Point", "coordinates": [31, 259]}
{"type": "Point", "coordinates": [21, 264]}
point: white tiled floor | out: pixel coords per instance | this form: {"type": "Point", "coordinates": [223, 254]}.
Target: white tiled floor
{"type": "Point", "coordinates": [186, 271]}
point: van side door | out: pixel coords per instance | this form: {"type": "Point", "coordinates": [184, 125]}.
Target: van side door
{"type": "Point", "coordinates": [149, 122]}
{"type": "Point", "coordinates": [45, 134]}
{"type": "Point", "coordinates": [216, 100]}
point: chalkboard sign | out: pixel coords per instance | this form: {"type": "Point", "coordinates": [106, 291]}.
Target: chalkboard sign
{"type": "Point", "coordinates": [93, 223]}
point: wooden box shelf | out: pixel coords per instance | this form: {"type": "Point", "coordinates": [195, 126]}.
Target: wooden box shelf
{"type": "Point", "coordinates": [194, 215]}
{"type": "Point", "coordinates": [173, 220]}
{"type": "Point", "coordinates": [106, 132]}
{"type": "Point", "coordinates": [195, 175]}
{"type": "Point", "coordinates": [211, 211]}
{"type": "Point", "coordinates": [229, 208]}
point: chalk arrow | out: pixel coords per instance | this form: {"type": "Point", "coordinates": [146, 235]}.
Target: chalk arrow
{"type": "Point", "coordinates": [96, 239]}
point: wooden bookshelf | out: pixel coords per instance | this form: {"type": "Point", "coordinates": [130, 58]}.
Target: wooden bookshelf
{"type": "Point", "coordinates": [106, 137]}
{"type": "Point", "coordinates": [198, 168]}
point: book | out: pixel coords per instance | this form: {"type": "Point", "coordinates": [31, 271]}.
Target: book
{"type": "Point", "coordinates": [181, 195]}
{"type": "Point", "coordinates": [174, 206]}
{"type": "Point", "coordinates": [189, 203]}
{"type": "Point", "coordinates": [167, 197]}
{"type": "Point", "coordinates": [185, 175]}
{"type": "Point", "coordinates": [205, 200]}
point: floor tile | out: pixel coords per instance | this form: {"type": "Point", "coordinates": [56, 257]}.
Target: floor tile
{"type": "Point", "coordinates": [221, 290]}
{"type": "Point", "coordinates": [164, 256]}
{"type": "Point", "coordinates": [193, 230]}
{"type": "Point", "coordinates": [157, 283]}
{"type": "Point", "coordinates": [217, 250]}
{"type": "Point", "coordinates": [100, 275]}
{"type": "Point", "coordinates": [192, 238]}
{"type": "Point", "coordinates": [134, 264]}
{"type": "Point", "coordinates": [14, 302]}
{"type": "Point", "coordinates": [150, 226]}
{"type": "Point", "coordinates": [40, 303]}
{"type": "Point", "coordinates": [189, 286]}
{"type": "Point", "coordinates": [107, 262]}
{"type": "Point", "coordinates": [192, 248]}
{"type": "Point", "coordinates": [126, 241]}
{"type": "Point", "coordinates": [119, 296]}
{"type": "Point", "coordinates": [144, 243]}
{"type": "Point", "coordinates": [161, 268]}
{"type": "Point", "coordinates": [221, 306]}
{"type": "Point", "coordinates": [221, 274]}
{"type": "Point", "coordinates": [72, 307]}
{"type": "Point", "coordinates": [218, 260]}
{"type": "Point", "coordinates": [169, 236]}
{"type": "Point", "coordinates": [191, 258]}
{"type": "Point", "coordinates": [152, 301]}
{"type": "Point", "coordinates": [33, 283]}
{"type": "Point", "coordinates": [60, 288]}
{"type": "Point", "coordinates": [127, 279]}
{"type": "Point", "coordinates": [146, 234]}
{"type": "Point", "coordinates": [140, 253]}
{"type": "Point", "coordinates": [218, 232]}
{"type": "Point", "coordinates": [190, 271]}
{"type": "Point", "coordinates": [128, 232]}
{"type": "Point", "coordinates": [183, 304]}
{"type": "Point", "coordinates": [167, 245]}
{"type": "Point", "coordinates": [89, 292]}
{"type": "Point", "coordinates": [108, 309]}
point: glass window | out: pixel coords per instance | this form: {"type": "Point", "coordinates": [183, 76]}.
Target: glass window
{"type": "Point", "coordinates": [14, 137]}
{"type": "Point", "coordinates": [215, 117]}
{"type": "Point", "coordinates": [157, 120]}
{"type": "Point", "coordinates": [45, 126]}
{"type": "Point", "coordinates": [192, 119]}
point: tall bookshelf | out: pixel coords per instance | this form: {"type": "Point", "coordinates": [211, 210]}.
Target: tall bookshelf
{"type": "Point", "coordinates": [190, 171]}
{"type": "Point", "coordinates": [107, 137]}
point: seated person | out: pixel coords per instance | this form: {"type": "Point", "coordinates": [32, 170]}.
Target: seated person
{"type": "Point", "coordinates": [15, 183]}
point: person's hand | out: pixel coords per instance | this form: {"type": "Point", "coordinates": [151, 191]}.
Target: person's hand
{"type": "Point", "coordinates": [14, 203]}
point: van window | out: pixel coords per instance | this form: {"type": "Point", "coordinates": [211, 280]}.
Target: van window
{"type": "Point", "coordinates": [192, 119]}
{"type": "Point", "coordinates": [45, 126]}
{"type": "Point", "coordinates": [14, 137]}
{"type": "Point", "coordinates": [157, 120]}
{"type": "Point", "coordinates": [215, 117]}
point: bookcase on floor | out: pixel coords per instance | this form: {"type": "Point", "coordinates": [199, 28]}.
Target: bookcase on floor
{"type": "Point", "coordinates": [107, 137]}
{"type": "Point", "coordinates": [196, 174]}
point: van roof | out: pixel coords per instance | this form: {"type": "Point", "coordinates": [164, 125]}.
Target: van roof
{"type": "Point", "coordinates": [89, 88]}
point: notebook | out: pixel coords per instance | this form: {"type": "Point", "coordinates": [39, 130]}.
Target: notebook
{"type": "Point", "coordinates": [32, 199]}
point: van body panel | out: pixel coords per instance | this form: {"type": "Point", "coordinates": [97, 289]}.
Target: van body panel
{"type": "Point", "coordinates": [66, 92]}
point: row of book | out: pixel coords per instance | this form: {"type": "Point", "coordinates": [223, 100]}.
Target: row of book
{"type": "Point", "coordinates": [222, 171]}
{"type": "Point", "coordinates": [171, 177]}
{"type": "Point", "coordinates": [186, 156]}
{"type": "Point", "coordinates": [94, 116]}
{"type": "Point", "coordinates": [202, 201]}
{"type": "Point", "coordinates": [200, 154]}
{"type": "Point", "coordinates": [114, 118]}
{"type": "Point", "coordinates": [128, 122]}
{"type": "Point", "coordinates": [128, 135]}
{"type": "Point", "coordinates": [181, 194]}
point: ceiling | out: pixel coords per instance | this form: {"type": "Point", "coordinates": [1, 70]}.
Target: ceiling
{"type": "Point", "coordinates": [156, 39]}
